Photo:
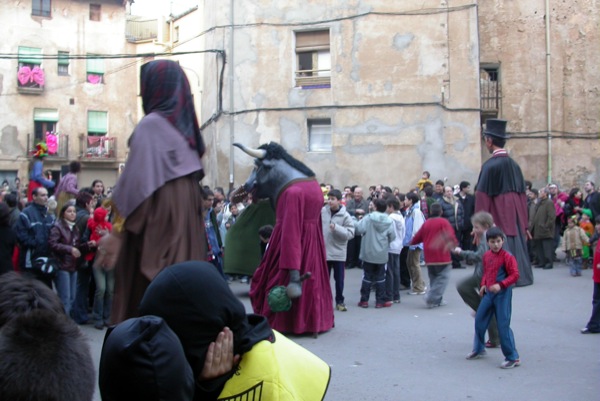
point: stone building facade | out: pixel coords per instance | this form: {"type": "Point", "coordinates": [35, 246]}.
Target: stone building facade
{"type": "Point", "coordinates": [514, 42]}
{"type": "Point", "coordinates": [52, 88]}
{"type": "Point", "coordinates": [396, 88]}
{"type": "Point", "coordinates": [363, 92]}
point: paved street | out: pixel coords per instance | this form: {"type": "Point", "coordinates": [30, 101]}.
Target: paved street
{"type": "Point", "coordinates": [408, 352]}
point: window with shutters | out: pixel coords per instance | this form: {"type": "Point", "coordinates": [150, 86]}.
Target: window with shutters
{"type": "Point", "coordinates": [63, 63]}
{"type": "Point", "coordinates": [97, 123]}
{"type": "Point", "coordinates": [95, 70]}
{"type": "Point", "coordinates": [30, 75]}
{"type": "Point", "coordinates": [313, 59]}
{"type": "Point", "coordinates": [319, 135]}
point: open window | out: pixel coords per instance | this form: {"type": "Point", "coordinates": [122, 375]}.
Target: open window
{"type": "Point", "coordinates": [489, 81]}
{"type": "Point", "coordinates": [313, 59]}
{"type": "Point", "coordinates": [95, 12]}
{"type": "Point", "coordinates": [45, 122]}
{"type": "Point", "coordinates": [319, 135]}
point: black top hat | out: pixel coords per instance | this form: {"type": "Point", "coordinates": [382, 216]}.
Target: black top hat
{"type": "Point", "coordinates": [496, 128]}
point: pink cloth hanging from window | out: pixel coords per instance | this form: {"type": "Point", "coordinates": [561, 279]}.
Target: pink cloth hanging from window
{"type": "Point", "coordinates": [94, 79]}
{"type": "Point", "coordinates": [26, 75]}
{"type": "Point", "coordinates": [52, 142]}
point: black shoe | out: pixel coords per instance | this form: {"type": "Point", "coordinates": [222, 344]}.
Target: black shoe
{"type": "Point", "coordinates": [585, 330]}
{"type": "Point", "coordinates": [548, 267]}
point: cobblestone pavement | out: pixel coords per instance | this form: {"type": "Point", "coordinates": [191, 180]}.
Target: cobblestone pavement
{"type": "Point", "coordinates": [411, 353]}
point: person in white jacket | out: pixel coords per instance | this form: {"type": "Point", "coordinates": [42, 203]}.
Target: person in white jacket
{"type": "Point", "coordinates": [338, 229]}
{"type": "Point", "coordinates": [414, 221]}
{"type": "Point", "coordinates": [392, 272]}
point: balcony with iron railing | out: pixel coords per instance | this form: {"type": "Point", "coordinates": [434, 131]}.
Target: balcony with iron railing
{"type": "Point", "coordinates": [97, 148]}
{"type": "Point", "coordinates": [57, 144]}
{"type": "Point", "coordinates": [141, 30]}
{"type": "Point", "coordinates": [313, 78]}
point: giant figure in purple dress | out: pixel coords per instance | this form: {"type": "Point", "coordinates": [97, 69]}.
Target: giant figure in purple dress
{"type": "Point", "coordinates": [296, 246]}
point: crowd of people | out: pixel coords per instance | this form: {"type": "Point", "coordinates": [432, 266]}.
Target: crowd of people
{"type": "Point", "coordinates": [158, 255]}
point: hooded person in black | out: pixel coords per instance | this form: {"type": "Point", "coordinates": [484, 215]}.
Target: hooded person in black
{"type": "Point", "coordinates": [142, 359]}
{"type": "Point", "coordinates": [198, 305]}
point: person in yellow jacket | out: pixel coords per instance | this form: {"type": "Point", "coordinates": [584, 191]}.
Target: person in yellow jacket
{"type": "Point", "coordinates": [232, 355]}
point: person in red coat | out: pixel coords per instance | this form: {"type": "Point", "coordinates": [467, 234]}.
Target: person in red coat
{"type": "Point", "coordinates": [437, 236]}
{"type": "Point", "coordinates": [593, 325]}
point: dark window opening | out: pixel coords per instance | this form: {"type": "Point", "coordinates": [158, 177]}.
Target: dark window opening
{"type": "Point", "coordinates": [41, 8]}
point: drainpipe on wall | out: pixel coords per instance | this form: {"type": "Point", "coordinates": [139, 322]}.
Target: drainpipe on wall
{"type": "Point", "coordinates": [231, 103]}
{"type": "Point", "coordinates": [548, 93]}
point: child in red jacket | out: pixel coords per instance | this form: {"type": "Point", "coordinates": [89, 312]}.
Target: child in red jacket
{"type": "Point", "coordinates": [500, 273]}
{"type": "Point", "coordinates": [98, 227]}
{"type": "Point", "coordinates": [437, 236]}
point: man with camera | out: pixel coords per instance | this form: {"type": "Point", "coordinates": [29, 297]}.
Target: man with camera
{"type": "Point", "coordinates": [32, 229]}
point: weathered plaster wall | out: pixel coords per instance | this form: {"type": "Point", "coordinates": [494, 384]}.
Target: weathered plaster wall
{"type": "Point", "coordinates": [389, 118]}
{"type": "Point", "coordinates": [513, 34]}
{"type": "Point", "coordinates": [68, 29]}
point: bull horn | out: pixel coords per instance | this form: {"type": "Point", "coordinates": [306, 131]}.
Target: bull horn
{"type": "Point", "coordinates": [257, 153]}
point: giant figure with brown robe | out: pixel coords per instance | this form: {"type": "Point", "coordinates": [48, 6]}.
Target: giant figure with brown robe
{"type": "Point", "coordinates": [159, 194]}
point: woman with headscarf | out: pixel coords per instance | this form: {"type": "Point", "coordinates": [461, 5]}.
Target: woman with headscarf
{"type": "Point", "coordinates": [232, 355]}
{"type": "Point", "coordinates": [157, 201]}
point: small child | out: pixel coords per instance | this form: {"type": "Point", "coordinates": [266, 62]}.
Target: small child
{"type": "Point", "coordinates": [234, 215]}
{"type": "Point", "coordinates": [593, 325]}
{"type": "Point", "coordinates": [424, 180]}
{"type": "Point", "coordinates": [588, 227]}
{"type": "Point", "coordinates": [500, 273]}
{"type": "Point", "coordinates": [574, 239]}
{"type": "Point", "coordinates": [98, 226]}
{"type": "Point", "coordinates": [482, 221]}
{"type": "Point", "coordinates": [437, 236]}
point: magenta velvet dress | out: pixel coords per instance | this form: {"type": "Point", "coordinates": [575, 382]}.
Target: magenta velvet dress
{"type": "Point", "coordinates": [296, 243]}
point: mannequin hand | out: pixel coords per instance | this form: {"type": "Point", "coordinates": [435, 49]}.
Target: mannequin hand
{"type": "Point", "coordinates": [108, 250]}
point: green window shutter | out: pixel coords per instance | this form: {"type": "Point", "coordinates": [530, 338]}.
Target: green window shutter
{"type": "Point", "coordinates": [45, 115]}
{"type": "Point", "coordinates": [95, 65]}
{"type": "Point", "coordinates": [30, 55]}
{"type": "Point", "coordinates": [63, 58]}
{"type": "Point", "coordinates": [98, 122]}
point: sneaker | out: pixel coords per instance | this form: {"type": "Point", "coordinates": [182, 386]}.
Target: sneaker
{"type": "Point", "coordinates": [476, 355]}
{"type": "Point", "coordinates": [386, 304]}
{"type": "Point", "coordinates": [490, 344]}
{"type": "Point", "coordinates": [341, 307]}
{"type": "Point", "coordinates": [431, 306]}
{"type": "Point", "coordinates": [412, 292]}
{"type": "Point", "coordinates": [396, 301]}
{"type": "Point", "coordinates": [363, 304]}
{"type": "Point", "coordinates": [510, 364]}
{"type": "Point", "coordinates": [244, 280]}
{"type": "Point", "coordinates": [585, 330]}
{"type": "Point", "coordinates": [99, 325]}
